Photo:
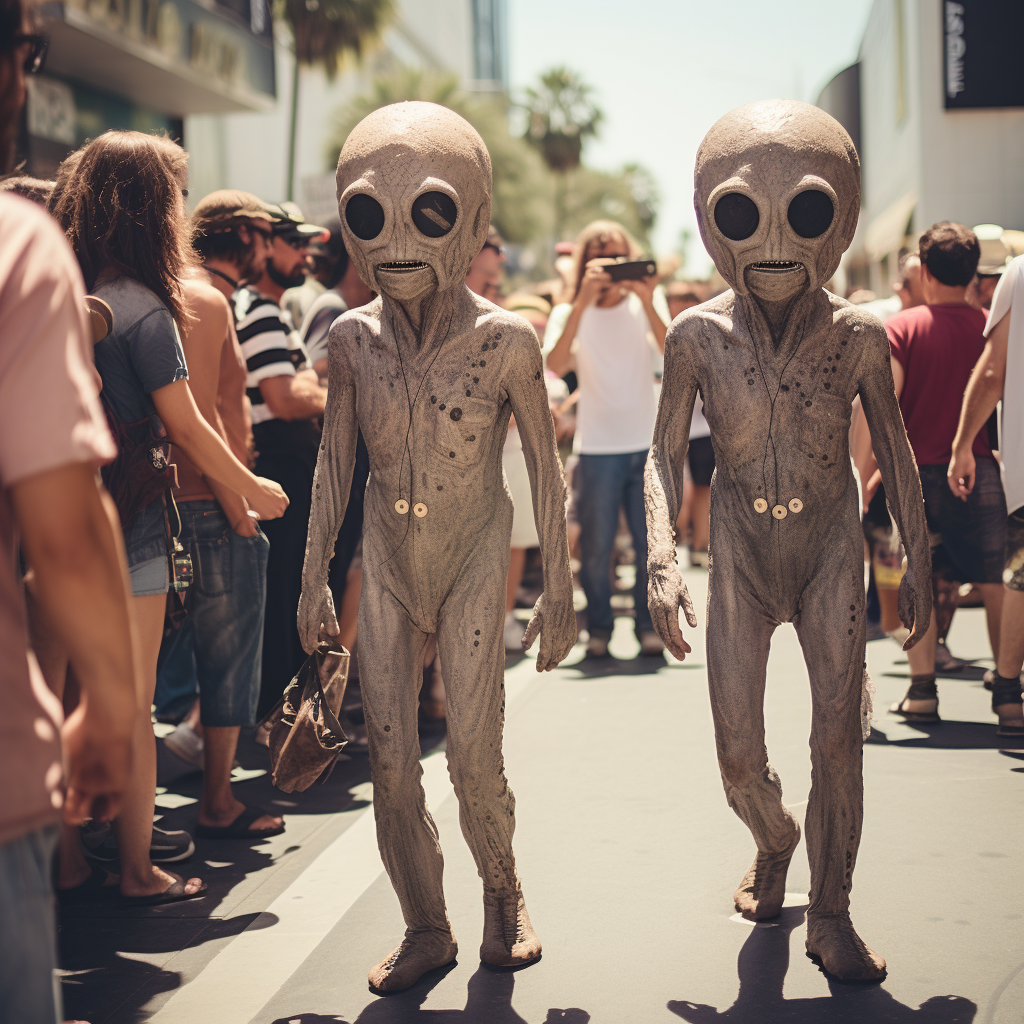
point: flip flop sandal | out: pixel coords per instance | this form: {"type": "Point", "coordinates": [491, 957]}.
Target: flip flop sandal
{"type": "Point", "coordinates": [174, 893]}
{"type": "Point", "coordinates": [92, 888]}
{"type": "Point", "coordinates": [918, 691]}
{"type": "Point", "coordinates": [239, 828]}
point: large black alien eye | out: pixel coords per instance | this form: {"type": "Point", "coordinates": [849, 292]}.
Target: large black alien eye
{"type": "Point", "coordinates": [736, 216]}
{"type": "Point", "coordinates": [434, 214]}
{"type": "Point", "coordinates": [810, 213]}
{"type": "Point", "coordinates": [365, 216]}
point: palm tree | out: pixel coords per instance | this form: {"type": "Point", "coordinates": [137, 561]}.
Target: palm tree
{"type": "Point", "coordinates": [323, 31]}
{"type": "Point", "coordinates": [561, 115]}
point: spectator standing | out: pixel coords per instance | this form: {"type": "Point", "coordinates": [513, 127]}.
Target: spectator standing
{"type": "Point", "coordinates": [613, 334]}
{"type": "Point", "coordinates": [487, 271]}
{"type": "Point", "coordinates": [52, 438]}
{"type": "Point", "coordinates": [999, 375]}
{"type": "Point", "coordinates": [124, 213]}
{"type": "Point", "coordinates": [934, 348]}
{"type": "Point", "coordinates": [287, 401]}
{"type": "Point", "coordinates": [220, 641]}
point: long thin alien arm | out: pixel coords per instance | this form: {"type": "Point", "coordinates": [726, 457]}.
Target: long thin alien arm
{"type": "Point", "coordinates": [528, 396]}
{"type": "Point", "coordinates": [334, 466]}
{"type": "Point", "coordinates": [663, 475]}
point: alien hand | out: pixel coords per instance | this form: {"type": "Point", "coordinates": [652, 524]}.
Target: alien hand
{"type": "Point", "coordinates": [666, 594]}
{"type": "Point", "coordinates": [316, 612]}
{"type": "Point", "coordinates": [914, 605]}
{"type": "Point", "coordinates": [555, 620]}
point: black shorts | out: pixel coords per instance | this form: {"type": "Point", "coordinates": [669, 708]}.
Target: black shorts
{"type": "Point", "coordinates": [701, 456]}
{"type": "Point", "coordinates": [968, 537]}
{"type": "Point", "coordinates": [1013, 573]}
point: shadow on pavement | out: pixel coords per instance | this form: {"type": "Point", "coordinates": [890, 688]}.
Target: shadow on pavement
{"type": "Point", "coordinates": [762, 965]}
{"type": "Point", "coordinates": [488, 999]}
{"type": "Point", "coordinates": [949, 735]}
{"type": "Point", "coordinates": [597, 668]}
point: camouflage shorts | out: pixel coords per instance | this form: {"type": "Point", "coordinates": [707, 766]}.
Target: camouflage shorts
{"type": "Point", "coordinates": [1013, 573]}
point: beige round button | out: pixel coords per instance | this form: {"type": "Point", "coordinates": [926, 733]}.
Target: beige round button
{"type": "Point", "coordinates": [779, 511]}
{"type": "Point", "coordinates": [419, 509]}
{"type": "Point", "coordinates": [796, 505]}
{"type": "Point", "coordinates": [401, 506]}
{"type": "Point", "coordinates": [760, 505]}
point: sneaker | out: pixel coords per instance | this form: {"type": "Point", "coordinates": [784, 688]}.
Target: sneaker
{"type": "Point", "coordinates": [514, 633]}
{"type": "Point", "coordinates": [187, 744]}
{"type": "Point", "coordinates": [597, 647]}
{"type": "Point", "coordinates": [650, 644]}
{"type": "Point", "coordinates": [100, 843]}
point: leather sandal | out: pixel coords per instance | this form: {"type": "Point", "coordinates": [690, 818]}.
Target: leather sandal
{"type": "Point", "coordinates": [1007, 692]}
{"type": "Point", "coordinates": [919, 689]}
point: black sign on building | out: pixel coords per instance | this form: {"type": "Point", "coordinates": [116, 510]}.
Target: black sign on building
{"type": "Point", "coordinates": [981, 53]}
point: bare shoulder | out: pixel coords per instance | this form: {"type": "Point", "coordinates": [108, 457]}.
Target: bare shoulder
{"type": "Point", "coordinates": [205, 301]}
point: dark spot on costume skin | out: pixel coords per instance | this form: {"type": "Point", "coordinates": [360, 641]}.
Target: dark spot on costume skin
{"type": "Point", "coordinates": [484, 347]}
{"type": "Point", "coordinates": [483, 362]}
{"type": "Point", "coordinates": [451, 455]}
{"type": "Point", "coordinates": [472, 437]}
{"type": "Point", "coordinates": [456, 413]}
{"type": "Point", "coordinates": [810, 455]}
{"type": "Point", "coordinates": [476, 643]}
{"type": "Point", "coordinates": [849, 632]}
{"type": "Point", "coordinates": [842, 343]}
{"type": "Point", "coordinates": [802, 395]}
{"type": "Point", "coordinates": [785, 387]}
{"type": "Point", "coordinates": [439, 487]}
{"type": "Point", "coordinates": [476, 380]}
{"type": "Point", "coordinates": [468, 393]}
{"type": "Point", "coordinates": [323, 447]}
{"type": "Point", "coordinates": [474, 365]}
{"type": "Point", "coordinates": [807, 403]}
{"type": "Point", "coordinates": [837, 357]}
{"type": "Point", "coordinates": [830, 359]}
{"type": "Point", "coordinates": [824, 457]}
{"type": "Point", "coordinates": [497, 337]}
{"type": "Point", "coordinates": [853, 618]}
{"type": "Point", "coordinates": [433, 399]}
{"type": "Point", "coordinates": [387, 728]}
{"type": "Point", "coordinates": [853, 607]}
{"type": "Point", "coordinates": [476, 632]}
{"type": "Point", "coordinates": [725, 348]}
{"type": "Point", "coordinates": [750, 382]}
{"type": "Point", "coordinates": [442, 407]}
{"type": "Point", "coordinates": [827, 386]}
{"type": "Point", "coordinates": [834, 369]}
{"type": "Point", "coordinates": [536, 376]}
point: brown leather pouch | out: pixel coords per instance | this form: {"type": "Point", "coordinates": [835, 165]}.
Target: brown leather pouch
{"type": "Point", "coordinates": [305, 735]}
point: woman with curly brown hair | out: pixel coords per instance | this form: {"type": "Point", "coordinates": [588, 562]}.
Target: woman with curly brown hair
{"type": "Point", "coordinates": [124, 213]}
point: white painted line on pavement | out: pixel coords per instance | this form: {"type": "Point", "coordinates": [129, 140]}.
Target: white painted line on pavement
{"type": "Point", "coordinates": [239, 981]}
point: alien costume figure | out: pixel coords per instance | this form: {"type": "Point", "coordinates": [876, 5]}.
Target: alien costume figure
{"type": "Point", "coordinates": [778, 361]}
{"type": "Point", "coordinates": [430, 373]}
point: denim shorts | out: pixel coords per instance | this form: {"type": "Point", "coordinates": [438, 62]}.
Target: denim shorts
{"type": "Point", "coordinates": [968, 537]}
{"type": "Point", "coordinates": [221, 640]}
{"type": "Point", "coordinates": [145, 544]}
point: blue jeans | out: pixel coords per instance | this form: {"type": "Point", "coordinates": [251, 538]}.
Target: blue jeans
{"type": "Point", "coordinates": [604, 484]}
{"type": "Point", "coordinates": [29, 989]}
{"type": "Point", "coordinates": [220, 643]}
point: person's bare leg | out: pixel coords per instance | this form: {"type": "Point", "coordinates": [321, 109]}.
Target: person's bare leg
{"type": "Point", "coordinates": [1011, 656]}
{"type": "Point", "coordinates": [349, 614]}
{"type": "Point", "coordinates": [218, 806]}
{"type": "Point", "coordinates": [922, 668]}
{"type": "Point", "coordinates": [736, 677]}
{"type": "Point", "coordinates": [139, 876]}
{"type": "Point", "coordinates": [992, 596]}
{"type": "Point", "coordinates": [835, 661]}
{"type": "Point", "coordinates": [406, 833]}
{"type": "Point", "coordinates": [888, 601]}
{"type": "Point", "coordinates": [516, 564]}
{"type": "Point", "coordinates": [701, 518]}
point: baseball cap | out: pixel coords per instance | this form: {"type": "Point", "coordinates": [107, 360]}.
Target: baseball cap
{"type": "Point", "coordinates": [219, 209]}
{"type": "Point", "coordinates": [291, 224]}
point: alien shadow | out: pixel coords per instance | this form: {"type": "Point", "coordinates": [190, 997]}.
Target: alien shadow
{"type": "Point", "coordinates": [488, 998]}
{"type": "Point", "coordinates": [762, 965]}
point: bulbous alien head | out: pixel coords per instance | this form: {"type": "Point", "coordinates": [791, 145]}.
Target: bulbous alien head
{"type": "Point", "coordinates": [414, 197]}
{"type": "Point", "coordinates": [777, 195]}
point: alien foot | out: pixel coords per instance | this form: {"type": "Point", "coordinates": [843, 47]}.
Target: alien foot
{"type": "Point", "coordinates": [763, 889]}
{"type": "Point", "coordinates": [419, 952]}
{"type": "Point", "coordinates": [509, 938]}
{"type": "Point", "coordinates": [839, 950]}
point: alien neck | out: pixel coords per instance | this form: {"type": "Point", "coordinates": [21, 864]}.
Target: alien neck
{"type": "Point", "coordinates": [420, 322]}
{"type": "Point", "coordinates": [776, 315]}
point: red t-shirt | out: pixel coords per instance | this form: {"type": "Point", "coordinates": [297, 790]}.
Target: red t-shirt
{"type": "Point", "coordinates": [937, 346]}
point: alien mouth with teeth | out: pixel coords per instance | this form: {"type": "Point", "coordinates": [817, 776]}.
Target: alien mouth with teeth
{"type": "Point", "coordinates": [430, 372]}
{"type": "Point", "coordinates": [778, 361]}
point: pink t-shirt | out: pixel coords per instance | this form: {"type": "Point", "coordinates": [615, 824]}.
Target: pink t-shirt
{"type": "Point", "coordinates": [49, 416]}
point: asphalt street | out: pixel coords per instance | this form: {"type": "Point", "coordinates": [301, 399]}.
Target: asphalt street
{"type": "Point", "coordinates": [628, 855]}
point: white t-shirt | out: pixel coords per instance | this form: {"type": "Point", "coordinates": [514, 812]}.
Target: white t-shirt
{"type": "Point", "coordinates": [1009, 294]}
{"type": "Point", "coordinates": [617, 364]}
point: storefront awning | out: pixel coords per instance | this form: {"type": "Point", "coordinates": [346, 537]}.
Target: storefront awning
{"type": "Point", "coordinates": [128, 65]}
{"type": "Point", "coordinates": [886, 233]}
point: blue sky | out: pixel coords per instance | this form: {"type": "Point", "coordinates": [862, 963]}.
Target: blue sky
{"type": "Point", "coordinates": [665, 70]}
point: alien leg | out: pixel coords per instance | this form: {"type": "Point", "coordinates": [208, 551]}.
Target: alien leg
{"type": "Point", "coordinates": [406, 833]}
{"type": "Point", "coordinates": [471, 647]}
{"type": "Point", "coordinates": [831, 629]}
{"type": "Point", "coordinates": [738, 637]}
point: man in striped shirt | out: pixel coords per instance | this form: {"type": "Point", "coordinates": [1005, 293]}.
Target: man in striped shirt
{"type": "Point", "coordinates": [287, 403]}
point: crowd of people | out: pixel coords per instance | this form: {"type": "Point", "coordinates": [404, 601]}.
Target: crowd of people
{"type": "Point", "coordinates": [163, 380]}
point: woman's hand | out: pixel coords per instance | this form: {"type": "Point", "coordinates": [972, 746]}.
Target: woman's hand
{"type": "Point", "coordinates": [268, 501]}
{"type": "Point", "coordinates": [643, 289]}
{"type": "Point", "coordinates": [247, 525]}
{"type": "Point", "coordinates": [595, 280]}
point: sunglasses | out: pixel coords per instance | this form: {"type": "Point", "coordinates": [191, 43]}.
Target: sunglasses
{"type": "Point", "coordinates": [37, 45]}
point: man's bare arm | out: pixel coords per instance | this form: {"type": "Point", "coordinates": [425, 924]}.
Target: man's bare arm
{"type": "Point", "coordinates": [984, 390]}
{"type": "Point", "coordinates": [899, 476]}
{"type": "Point", "coordinates": [72, 540]}
{"type": "Point", "coordinates": [295, 398]}
{"type": "Point", "coordinates": [331, 485]}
